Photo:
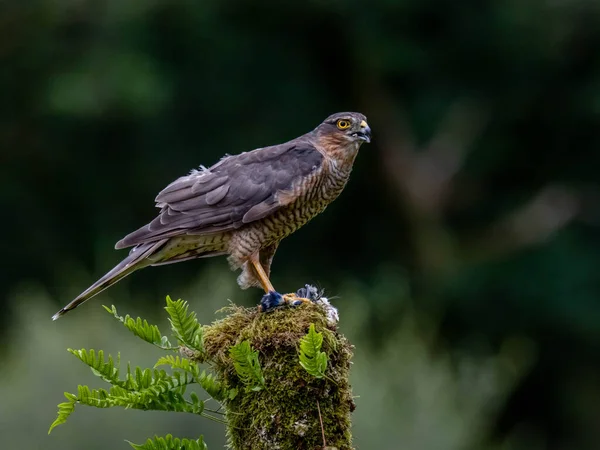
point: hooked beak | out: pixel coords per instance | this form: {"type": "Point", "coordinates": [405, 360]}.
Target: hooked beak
{"type": "Point", "coordinates": [364, 133]}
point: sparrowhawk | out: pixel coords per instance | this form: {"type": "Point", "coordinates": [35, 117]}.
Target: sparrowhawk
{"type": "Point", "coordinates": [244, 205]}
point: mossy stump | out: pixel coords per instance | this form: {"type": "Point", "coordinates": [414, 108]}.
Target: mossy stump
{"type": "Point", "coordinates": [285, 413]}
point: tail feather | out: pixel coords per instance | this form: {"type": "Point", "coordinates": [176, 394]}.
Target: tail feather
{"type": "Point", "coordinates": [137, 259]}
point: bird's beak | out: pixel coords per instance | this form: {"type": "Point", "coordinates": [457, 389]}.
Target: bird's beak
{"type": "Point", "coordinates": [365, 132]}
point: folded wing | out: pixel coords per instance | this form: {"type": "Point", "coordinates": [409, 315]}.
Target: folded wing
{"type": "Point", "coordinates": [237, 190]}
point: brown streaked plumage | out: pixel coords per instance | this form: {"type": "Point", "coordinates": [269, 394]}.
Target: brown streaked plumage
{"type": "Point", "coordinates": [244, 205]}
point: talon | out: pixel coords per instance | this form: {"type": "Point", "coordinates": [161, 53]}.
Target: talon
{"type": "Point", "coordinates": [293, 300]}
{"type": "Point", "coordinates": [270, 301]}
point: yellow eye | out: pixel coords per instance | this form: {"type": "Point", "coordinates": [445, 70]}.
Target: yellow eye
{"type": "Point", "coordinates": [343, 124]}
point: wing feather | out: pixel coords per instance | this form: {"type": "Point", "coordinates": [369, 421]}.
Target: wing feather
{"type": "Point", "coordinates": [215, 196]}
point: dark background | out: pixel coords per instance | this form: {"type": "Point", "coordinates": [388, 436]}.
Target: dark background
{"type": "Point", "coordinates": [465, 250]}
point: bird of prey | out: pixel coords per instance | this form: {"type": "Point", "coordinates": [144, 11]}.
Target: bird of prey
{"type": "Point", "coordinates": [244, 205]}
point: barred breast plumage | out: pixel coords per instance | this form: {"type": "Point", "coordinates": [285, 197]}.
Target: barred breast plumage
{"type": "Point", "coordinates": [312, 196]}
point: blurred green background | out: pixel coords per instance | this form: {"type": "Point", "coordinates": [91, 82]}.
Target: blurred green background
{"type": "Point", "coordinates": [465, 251]}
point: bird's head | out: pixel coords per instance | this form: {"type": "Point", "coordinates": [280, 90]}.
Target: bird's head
{"type": "Point", "coordinates": [346, 127]}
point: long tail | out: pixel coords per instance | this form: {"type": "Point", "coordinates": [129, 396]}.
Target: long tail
{"type": "Point", "coordinates": [137, 259]}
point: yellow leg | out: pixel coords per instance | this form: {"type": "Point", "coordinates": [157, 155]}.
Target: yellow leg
{"type": "Point", "coordinates": [290, 299]}
{"type": "Point", "coordinates": [262, 276]}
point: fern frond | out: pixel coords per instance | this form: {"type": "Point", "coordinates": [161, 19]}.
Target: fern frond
{"type": "Point", "coordinates": [247, 366]}
{"type": "Point", "coordinates": [99, 398]}
{"type": "Point", "coordinates": [162, 382]}
{"type": "Point", "coordinates": [158, 391]}
{"type": "Point", "coordinates": [312, 359]}
{"type": "Point", "coordinates": [170, 443]}
{"type": "Point", "coordinates": [147, 400]}
{"type": "Point", "coordinates": [64, 411]}
{"type": "Point", "coordinates": [142, 329]}
{"type": "Point", "coordinates": [186, 327]}
{"type": "Point", "coordinates": [155, 382]}
{"type": "Point", "coordinates": [179, 363]}
{"type": "Point", "coordinates": [213, 387]}
{"type": "Point", "coordinates": [108, 371]}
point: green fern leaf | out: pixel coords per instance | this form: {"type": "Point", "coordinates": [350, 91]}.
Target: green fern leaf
{"type": "Point", "coordinates": [185, 326]}
{"type": "Point", "coordinates": [197, 405]}
{"type": "Point", "coordinates": [129, 382]}
{"type": "Point", "coordinates": [64, 411]}
{"type": "Point", "coordinates": [170, 443]}
{"type": "Point", "coordinates": [312, 359]}
{"type": "Point", "coordinates": [142, 329]}
{"type": "Point", "coordinates": [179, 363]}
{"type": "Point", "coordinates": [143, 378]}
{"type": "Point", "coordinates": [165, 393]}
{"type": "Point", "coordinates": [247, 366]}
{"type": "Point", "coordinates": [213, 387]}
{"type": "Point", "coordinates": [107, 370]}
{"type": "Point", "coordinates": [177, 382]}
{"type": "Point", "coordinates": [99, 398]}
{"type": "Point", "coordinates": [161, 392]}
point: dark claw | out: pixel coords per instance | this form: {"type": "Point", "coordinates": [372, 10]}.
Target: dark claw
{"type": "Point", "coordinates": [310, 292]}
{"type": "Point", "coordinates": [270, 301]}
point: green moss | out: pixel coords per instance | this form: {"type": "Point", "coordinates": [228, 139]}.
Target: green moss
{"type": "Point", "coordinates": [284, 415]}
